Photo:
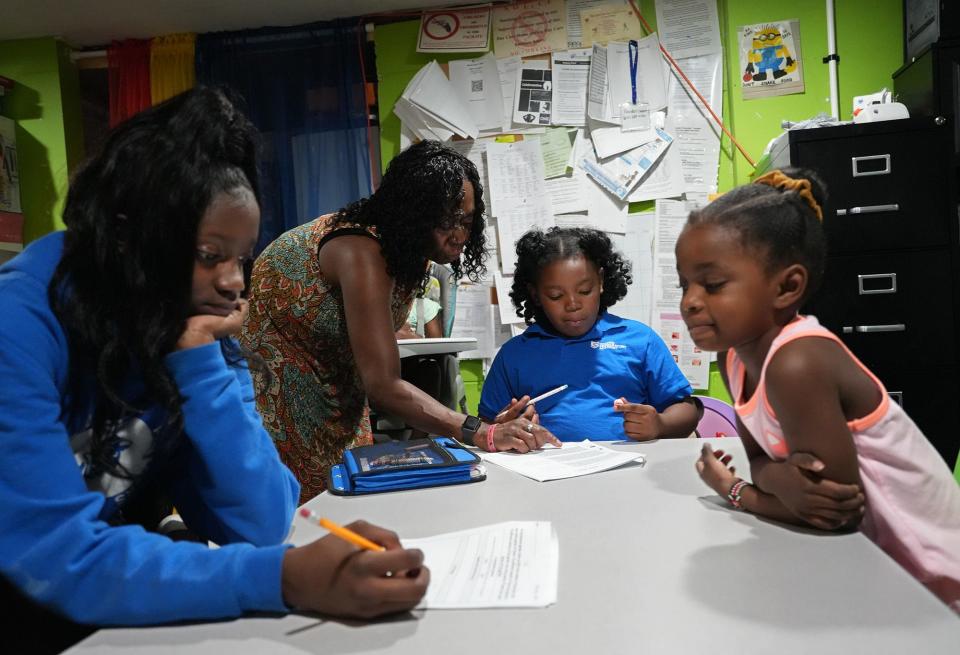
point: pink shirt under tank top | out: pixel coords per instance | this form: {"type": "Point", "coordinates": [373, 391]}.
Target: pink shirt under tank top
{"type": "Point", "coordinates": [913, 501]}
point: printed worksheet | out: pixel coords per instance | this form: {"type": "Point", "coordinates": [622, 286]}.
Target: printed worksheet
{"type": "Point", "coordinates": [576, 458]}
{"type": "Point", "coordinates": [510, 564]}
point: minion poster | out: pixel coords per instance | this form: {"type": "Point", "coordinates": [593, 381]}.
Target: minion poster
{"type": "Point", "coordinates": [770, 63]}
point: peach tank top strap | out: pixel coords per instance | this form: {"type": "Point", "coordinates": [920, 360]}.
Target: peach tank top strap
{"type": "Point", "coordinates": [809, 326]}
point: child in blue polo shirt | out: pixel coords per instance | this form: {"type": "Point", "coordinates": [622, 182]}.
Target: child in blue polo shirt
{"type": "Point", "coordinates": [622, 380]}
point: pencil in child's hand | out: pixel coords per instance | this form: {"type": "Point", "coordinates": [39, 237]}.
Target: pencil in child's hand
{"type": "Point", "coordinates": [338, 530]}
{"type": "Point", "coordinates": [533, 401]}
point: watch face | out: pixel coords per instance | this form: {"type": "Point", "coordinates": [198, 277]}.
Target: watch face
{"type": "Point", "coordinates": [472, 424]}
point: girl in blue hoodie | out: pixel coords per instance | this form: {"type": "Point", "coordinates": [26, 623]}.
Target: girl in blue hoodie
{"type": "Point", "coordinates": [124, 392]}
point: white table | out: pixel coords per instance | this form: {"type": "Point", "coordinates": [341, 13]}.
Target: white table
{"type": "Point", "coordinates": [434, 346]}
{"type": "Point", "coordinates": [651, 561]}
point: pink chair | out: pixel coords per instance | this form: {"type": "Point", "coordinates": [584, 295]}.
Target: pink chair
{"type": "Point", "coordinates": [719, 419]}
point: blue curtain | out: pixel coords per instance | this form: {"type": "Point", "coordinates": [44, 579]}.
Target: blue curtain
{"type": "Point", "coordinates": [304, 91]}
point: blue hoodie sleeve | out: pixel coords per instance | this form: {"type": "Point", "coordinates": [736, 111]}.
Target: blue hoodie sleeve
{"type": "Point", "coordinates": [234, 488]}
{"type": "Point", "coordinates": [53, 545]}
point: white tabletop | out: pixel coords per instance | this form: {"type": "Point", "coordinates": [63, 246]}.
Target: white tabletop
{"type": "Point", "coordinates": [434, 346]}
{"type": "Point", "coordinates": [651, 561]}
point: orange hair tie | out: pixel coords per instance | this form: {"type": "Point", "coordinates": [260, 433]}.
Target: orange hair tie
{"type": "Point", "coordinates": [803, 188]}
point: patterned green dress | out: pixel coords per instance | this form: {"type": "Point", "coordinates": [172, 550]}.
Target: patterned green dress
{"type": "Point", "coordinates": [314, 406]}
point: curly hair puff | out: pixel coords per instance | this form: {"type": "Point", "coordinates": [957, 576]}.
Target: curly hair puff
{"type": "Point", "coordinates": [537, 249]}
{"type": "Point", "coordinates": [421, 190]}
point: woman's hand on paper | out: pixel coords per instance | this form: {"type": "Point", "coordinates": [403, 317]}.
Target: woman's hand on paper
{"type": "Point", "coordinates": [523, 435]}
{"type": "Point", "coordinates": [640, 422]}
{"type": "Point", "coordinates": [336, 578]}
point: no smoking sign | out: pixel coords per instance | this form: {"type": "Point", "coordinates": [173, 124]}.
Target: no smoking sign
{"type": "Point", "coordinates": [441, 26]}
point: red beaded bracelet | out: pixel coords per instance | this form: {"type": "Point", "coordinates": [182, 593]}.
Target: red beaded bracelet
{"type": "Point", "coordinates": [735, 493]}
{"type": "Point", "coordinates": [491, 447]}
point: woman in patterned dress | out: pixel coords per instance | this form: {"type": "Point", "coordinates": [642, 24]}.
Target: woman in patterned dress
{"type": "Point", "coordinates": [328, 296]}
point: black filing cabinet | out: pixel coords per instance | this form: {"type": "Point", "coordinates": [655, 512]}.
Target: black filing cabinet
{"type": "Point", "coordinates": [891, 289]}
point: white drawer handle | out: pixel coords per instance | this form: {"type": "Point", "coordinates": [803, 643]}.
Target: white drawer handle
{"type": "Point", "coordinates": [895, 327]}
{"type": "Point", "coordinates": [869, 209]}
{"type": "Point", "coordinates": [855, 161]}
{"type": "Point", "coordinates": [890, 288]}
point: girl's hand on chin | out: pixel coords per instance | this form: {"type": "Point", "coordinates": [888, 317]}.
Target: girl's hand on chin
{"type": "Point", "coordinates": [207, 328]}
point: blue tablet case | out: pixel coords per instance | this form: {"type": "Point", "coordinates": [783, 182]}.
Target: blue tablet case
{"type": "Point", "coordinates": [397, 465]}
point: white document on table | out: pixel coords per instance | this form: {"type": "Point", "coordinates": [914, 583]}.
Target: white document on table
{"type": "Point", "coordinates": [510, 564]}
{"type": "Point", "coordinates": [576, 458]}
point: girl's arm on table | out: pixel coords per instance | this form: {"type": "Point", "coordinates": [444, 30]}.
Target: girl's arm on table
{"type": "Point", "coordinates": [792, 491]}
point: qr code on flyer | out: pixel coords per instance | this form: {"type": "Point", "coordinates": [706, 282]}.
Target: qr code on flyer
{"type": "Point", "coordinates": [535, 95]}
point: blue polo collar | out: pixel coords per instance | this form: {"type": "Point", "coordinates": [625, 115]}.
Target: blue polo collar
{"type": "Point", "coordinates": [606, 323]}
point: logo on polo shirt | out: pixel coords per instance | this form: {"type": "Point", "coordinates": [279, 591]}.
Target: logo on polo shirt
{"type": "Point", "coordinates": [609, 345]}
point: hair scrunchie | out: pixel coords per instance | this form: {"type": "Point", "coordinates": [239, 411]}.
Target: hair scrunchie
{"type": "Point", "coordinates": [778, 180]}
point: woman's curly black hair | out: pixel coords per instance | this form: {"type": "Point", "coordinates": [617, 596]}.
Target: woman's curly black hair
{"type": "Point", "coordinates": [537, 249]}
{"type": "Point", "coordinates": [122, 288]}
{"type": "Point", "coordinates": [421, 191]}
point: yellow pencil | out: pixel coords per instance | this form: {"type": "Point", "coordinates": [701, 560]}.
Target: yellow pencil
{"type": "Point", "coordinates": [340, 531]}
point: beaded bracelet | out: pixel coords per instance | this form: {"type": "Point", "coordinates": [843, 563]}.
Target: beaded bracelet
{"type": "Point", "coordinates": [491, 447]}
{"type": "Point", "coordinates": [735, 493]}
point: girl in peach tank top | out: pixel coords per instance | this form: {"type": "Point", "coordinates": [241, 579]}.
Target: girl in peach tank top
{"type": "Point", "coordinates": [913, 502]}
{"type": "Point", "coordinates": [827, 446]}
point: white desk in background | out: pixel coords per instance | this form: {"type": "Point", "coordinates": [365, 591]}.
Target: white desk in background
{"type": "Point", "coordinates": [651, 561]}
{"type": "Point", "coordinates": [434, 346]}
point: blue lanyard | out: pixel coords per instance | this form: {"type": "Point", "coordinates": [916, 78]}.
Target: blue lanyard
{"type": "Point", "coordinates": [633, 52]}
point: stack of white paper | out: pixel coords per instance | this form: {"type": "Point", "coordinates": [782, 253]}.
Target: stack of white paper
{"type": "Point", "coordinates": [511, 564]}
{"type": "Point", "coordinates": [431, 109]}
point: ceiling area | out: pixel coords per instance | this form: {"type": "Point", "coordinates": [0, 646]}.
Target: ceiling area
{"type": "Point", "coordinates": [97, 22]}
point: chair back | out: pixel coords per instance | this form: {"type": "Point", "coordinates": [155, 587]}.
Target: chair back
{"type": "Point", "coordinates": [448, 295]}
{"type": "Point", "coordinates": [719, 419]}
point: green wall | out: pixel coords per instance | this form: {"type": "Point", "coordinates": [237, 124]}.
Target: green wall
{"type": "Point", "coordinates": [869, 42]}
{"type": "Point", "coordinates": [46, 105]}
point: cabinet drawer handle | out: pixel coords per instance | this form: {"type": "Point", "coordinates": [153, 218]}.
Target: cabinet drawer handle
{"type": "Point", "coordinates": [895, 327]}
{"type": "Point", "coordinates": [869, 209]}
{"type": "Point", "coordinates": [891, 288]}
{"type": "Point", "coordinates": [857, 161]}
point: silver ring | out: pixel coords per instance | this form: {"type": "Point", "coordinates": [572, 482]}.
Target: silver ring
{"type": "Point", "coordinates": [529, 427]}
